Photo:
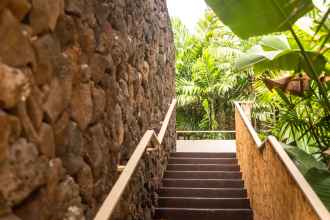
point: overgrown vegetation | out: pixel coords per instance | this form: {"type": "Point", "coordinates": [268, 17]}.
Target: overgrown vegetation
{"type": "Point", "coordinates": [207, 81]}
{"type": "Point", "coordinates": [283, 67]}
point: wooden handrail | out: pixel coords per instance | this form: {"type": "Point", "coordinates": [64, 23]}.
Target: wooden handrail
{"type": "Point", "coordinates": [300, 180]}
{"type": "Point", "coordinates": [166, 121]}
{"type": "Point", "coordinates": [149, 137]}
{"type": "Point", "coordinates": [248, 124]}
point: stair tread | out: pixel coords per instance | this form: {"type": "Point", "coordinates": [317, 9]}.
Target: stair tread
{"type": "Point", "coordinates": [165, 187]}
{"type": "Point", "coordinates": [202, 171]}
{"type": "Point", "coordinates": [203, 214]}
{"type": "Point", "coordinates": [203, 186]}
{"type": "Point", "coordinates": [199, 202]}
{"type": "Point", "coordinates": [203, 183]}
{"type": "Point", "coordinates": [238, 180]}
{"type": "Point", "coordinates": [190, 160]}
{"type": "Point", "coordinates": [228, 154]}
{"type": "Point", "coordinates": [206, 209]}
{"type": "Point", "coordinates": [203, 167]}
{"type": "Point", "coordinates": [201, 198]}
{"type": "Point", "coordinates": [204, 158]}
{"type": "Point", "coordinates": [202, 174]}
{"type": "Point", "coordinates": [204, 164]}
{"type": "Point", "coordinates": [202, 192]}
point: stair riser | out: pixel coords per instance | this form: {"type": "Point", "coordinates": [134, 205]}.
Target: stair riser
{"type": "Point", "coordinates": [203, 215]}
{"type": "Point", "coordinates": [207, 193]}
{"type": "Point", "coordinates": [203, 203]}
{"type": "Point", "coordinates": [203, 186]}
{"type": "Point", "coordinates": [202, 161]}
{"type": "Point", "coordinates": [182, 167]}
{"type": "Point", "coordinates": [203, 183]}
{"type": "Point", "coordinates": [203, 175]}
{"type": "Point", "coordinates": [204, 155]}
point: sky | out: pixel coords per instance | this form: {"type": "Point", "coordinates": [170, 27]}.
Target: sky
{"type": "Point", "coordinates": [189, 11]}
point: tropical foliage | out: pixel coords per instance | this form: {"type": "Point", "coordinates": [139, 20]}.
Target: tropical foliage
{"type": "Point", "coordinates": [207, 81]}
{"type": "Point", "coordinates": [294, 65]}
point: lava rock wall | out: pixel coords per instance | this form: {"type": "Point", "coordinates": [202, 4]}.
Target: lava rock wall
{"type": "Point", "coordinates": [80, 83]}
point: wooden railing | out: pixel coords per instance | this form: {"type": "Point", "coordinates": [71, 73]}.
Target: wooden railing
{"type": "Point", "coordinates": [276, 187]}
{"type": "Point", "coordinates": [149, 139]}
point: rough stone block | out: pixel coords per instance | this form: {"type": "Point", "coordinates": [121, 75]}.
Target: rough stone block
{"type": "Point", "coordinates": [73, 164]}
{"type": "Point", "coordinates": [48, 52]}
{"type": "Point", "coordinates": [23, 174]}
{"type": "Point", "coordinates": [82, 105]}
{"type": "Point", "coordinates": [117, 130]}
{"type": "Point", "coordinates": [87, 40]}
{"type": "Point", "coordinates": [10, 130]}
{"type": "Point", "coordinates": [75, 139]}
{"type": "Point", "coordinates": [14, 86]}
{"type": "Point", "coordinates": [19, 8]}
{"type": "Point", "coordinates": [55, 202]}
{"type": "Point", "coordinates": [15, 48]}
{"type": "Point", "coordinates": [86, 183]}
{"type": "Point", "coordinates": [55, 103]}
{"type": "Point", "coordinates": [34, 111]}
{"type": "Point", "coordinates": [60, 133]}
{"type": "Point", "coordinates": [9, 217]}
{"type": "Point", "coordinates": [94, 150]}
{"type": "Point", "coordinates": [3, 4]}
{"type": "Point", "coordinates": [74, 7]}
{"type": "Point", "coordinates": [47, 141]}
{"type": "Point", "coordinates": [66, 31]}
{"type": "Point", "coordinates": [99, 100]}
{"type": "Point", "coordinates": [44, 14]}
{"type": "Point", "coordinates": [29, 131]}
{"type": "Point", "coordinates": [98, 66]}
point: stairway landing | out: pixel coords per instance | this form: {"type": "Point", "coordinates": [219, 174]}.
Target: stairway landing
{"type": "Point", "coordinates": [203, 186]}
{"type": "Point", "coordinates": [218, 146]}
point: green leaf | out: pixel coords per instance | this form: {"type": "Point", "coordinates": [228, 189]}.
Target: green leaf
{"type": "Point", "coordinates": [249, 18]}
{"type": "Point", "coordinates": [206, 105]}
{"type": "Point", "coordinates": [320, 182]}
{"type": "Point", "coordinates": [275, 53]}
{"type": "Point", "coordinates": [304, 161]}
{"type": "Point", "coordinates": [275, 42]}
{"type": "Point", "coordinates": [315, 172]}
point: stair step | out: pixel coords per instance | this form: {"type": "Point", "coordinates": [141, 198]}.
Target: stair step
{"type": "Point", "coordinates": [202, 175]}
{"type": "Point", "coordinates": [195, 202]}
{"type": "Point", "coordinates": [203, 155]}
{"type": "Point", "coordinates": [203, 183]}
{"type": "Point", "coordinates": [202, 192]}
{"type": "Point", "coordinates": [189, 160]}
{"type": "Point", "coordinates": [203, 214]}
{"type": "Point", "coordinates": [203, 167]}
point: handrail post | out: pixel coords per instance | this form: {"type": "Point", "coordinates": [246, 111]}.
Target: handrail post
{"type": "Point", "coordinates": [247, 108]}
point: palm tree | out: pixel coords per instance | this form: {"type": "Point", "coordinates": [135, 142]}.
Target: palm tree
{"type": "Point", "coordinates": [206, 80]}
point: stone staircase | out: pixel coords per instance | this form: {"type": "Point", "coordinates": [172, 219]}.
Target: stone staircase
{"type": "Point", "coordinates": [203, 186]}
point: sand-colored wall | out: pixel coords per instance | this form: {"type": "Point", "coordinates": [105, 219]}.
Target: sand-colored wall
{"type": "Point", "coordinates": [273, 192]}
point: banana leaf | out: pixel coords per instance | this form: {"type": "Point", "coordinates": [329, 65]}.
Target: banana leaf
{"type": "Point", "coordinates": [248, 18]}
{"type": "Point", "coordinates": [305, 162]}
{"type": "Point", "coordinates": [320, 182]}
{"type": "Point", "coordinates": [275, 53]}
{"type": "Point", "coordinates": [315, 172]}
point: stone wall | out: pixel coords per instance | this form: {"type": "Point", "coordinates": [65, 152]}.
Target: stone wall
{"type": "Point", "coordinates": [80, 82]}
{"type": "Point", "coordinates": [273, 193]}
